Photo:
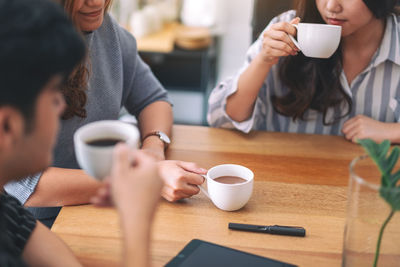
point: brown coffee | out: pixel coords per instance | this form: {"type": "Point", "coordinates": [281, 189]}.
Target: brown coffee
{"type": "Point", "coordinates": [104, 142]}
{"type": "Point", "coordinates": [230, 180]}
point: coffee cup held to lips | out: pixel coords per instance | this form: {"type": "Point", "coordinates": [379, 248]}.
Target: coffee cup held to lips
{"type": "Point", "coordinates": [94, 144]}
{"type": "Point", "coordinates": [229, 186]}
{"type": "Point", "coordinates": [317, 40]}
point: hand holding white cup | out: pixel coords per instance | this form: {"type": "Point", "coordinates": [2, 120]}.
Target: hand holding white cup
{"type": "Point", "coordinates": [229, 186]}
{"type": "Point", "coordinates": [94, 144]}
{"type": "Point", "coordinates": [317, 40]}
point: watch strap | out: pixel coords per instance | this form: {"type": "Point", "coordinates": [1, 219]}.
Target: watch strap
{"type": "Point", "coordinates": [159, 135]}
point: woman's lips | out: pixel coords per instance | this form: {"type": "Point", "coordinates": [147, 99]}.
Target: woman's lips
{"type": "Point", "coordinates": [93, 14]}
{"type": "Point", "coordinates": [333, 21]}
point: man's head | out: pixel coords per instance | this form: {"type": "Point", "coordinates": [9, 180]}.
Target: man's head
{"type": "Point", "coordinates": [38, 49]}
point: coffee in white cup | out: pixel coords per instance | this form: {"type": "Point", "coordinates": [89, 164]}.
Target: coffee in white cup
{"type": "Point", "coordinates": [229, 186]}
{"type": "Point", "coordinates": [94, 144]}
{"type": "Point", "coordinates": [317, 40]}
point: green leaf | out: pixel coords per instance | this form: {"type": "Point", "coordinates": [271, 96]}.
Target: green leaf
{"type": "Point", "coordinates": [387, 167]}
{"type": "Point", "coordinates": [385, 181]}
{"type": "Point", "coordinates": [392, 196]}
{"type": "Point", "coordinates": [388, 190]}
{"type": "Point", "coordinates": [394, 179]}
{"type": "Point", "coordinates": [378, 154]}
{"type": "Point", "coordinates": [371, 148]}
{"type": "Point", "coordinates": [384, 148]}
{"type": "Point", "coordinates": [391, 160]}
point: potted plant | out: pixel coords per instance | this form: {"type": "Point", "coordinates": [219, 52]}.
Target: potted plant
{"type": "Point", "coordinates": [374, 198]}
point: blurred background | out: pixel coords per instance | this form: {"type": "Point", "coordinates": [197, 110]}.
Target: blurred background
{"type": "Point", "coordinates": [192, 44]}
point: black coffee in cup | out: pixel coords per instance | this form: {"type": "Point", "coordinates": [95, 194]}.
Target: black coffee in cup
{"type": "Point", "coordinates": [104, 142]}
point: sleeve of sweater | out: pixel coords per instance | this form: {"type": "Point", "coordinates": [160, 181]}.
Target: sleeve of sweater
{"type": "Point", "coordinates": [22, 189]}
{"type": "Point", "coordinates": [141, 87]}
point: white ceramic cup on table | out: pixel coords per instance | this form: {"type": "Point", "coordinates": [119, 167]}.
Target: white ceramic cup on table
{"type": "Point", "coordinates": [229, 197]}
{"type": "Point", "coordinates": [317, 40]}
{"type": "Point", "coordinates": [97, 160]}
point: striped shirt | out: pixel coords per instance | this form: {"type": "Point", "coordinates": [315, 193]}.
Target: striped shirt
{"type": "Point", "coordinates": [16, 226]}
{"type": "Point", "coordinates": [375, 92]}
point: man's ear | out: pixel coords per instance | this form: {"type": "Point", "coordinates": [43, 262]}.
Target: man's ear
{"type": "Point", "coordinates": [11, 126]}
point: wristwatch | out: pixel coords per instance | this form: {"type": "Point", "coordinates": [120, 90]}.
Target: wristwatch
{"type": "Point", "coordinates": [163, 137]}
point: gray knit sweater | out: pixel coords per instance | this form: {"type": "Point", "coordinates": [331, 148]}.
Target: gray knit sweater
{"type": "Point", "coordinates": [118, 77]}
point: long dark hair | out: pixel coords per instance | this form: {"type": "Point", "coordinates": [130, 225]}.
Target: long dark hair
{"type": "Point", "coordinates": [316, 84]}
{"type": "Point", "coordinates": [74, 90]}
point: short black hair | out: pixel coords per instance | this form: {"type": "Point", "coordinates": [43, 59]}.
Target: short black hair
{"type": "Point", "coordinates": [37, 42]}
{"type": "Point", "coordinates": [381, 8]}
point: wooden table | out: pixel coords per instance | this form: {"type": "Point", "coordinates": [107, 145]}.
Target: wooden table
{"type": "Point", "coordinates": [299, 180]}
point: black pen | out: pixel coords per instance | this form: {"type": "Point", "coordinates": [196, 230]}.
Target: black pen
{"type": "Point", "coordinates": [271, 229]}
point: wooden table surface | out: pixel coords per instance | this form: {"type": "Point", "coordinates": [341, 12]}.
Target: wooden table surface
{"type": "Point", "coordinates": [300, 180]}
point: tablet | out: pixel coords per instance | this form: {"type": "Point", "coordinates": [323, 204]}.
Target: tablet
{"type": "Point", "coordinates": [201, 253]}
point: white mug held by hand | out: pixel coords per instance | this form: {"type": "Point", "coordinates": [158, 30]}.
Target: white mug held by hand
{"type": "Point", "coordinates": [317, 40]}
{"type": "Point", "coordinates": [96, 160]}
{"type": "Point", "coordinates": [225, 196]}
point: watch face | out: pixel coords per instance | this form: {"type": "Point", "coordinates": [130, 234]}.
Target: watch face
{"type": "Point", "coordinates": [164, 137]}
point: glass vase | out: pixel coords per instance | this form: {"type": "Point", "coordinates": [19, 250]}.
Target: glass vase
{"type": "Point", "coordinates": [367, 212]}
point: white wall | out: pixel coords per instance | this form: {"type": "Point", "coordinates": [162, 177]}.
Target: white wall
{"type": "Point", "coordinates": [234, 29]}
{"type": "Point", "coordinates": [236, 35]}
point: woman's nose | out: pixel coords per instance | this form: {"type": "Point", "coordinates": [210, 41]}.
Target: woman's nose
{"type": "Point", "coordinates": [334, 6]}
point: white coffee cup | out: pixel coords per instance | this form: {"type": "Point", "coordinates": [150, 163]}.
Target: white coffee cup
{"type": "Point", "coordinates": [97, 160]}
{"type": "Point", "coordinates": [317, 40]}
{"type": "Point", "coordinates": [229, 197]}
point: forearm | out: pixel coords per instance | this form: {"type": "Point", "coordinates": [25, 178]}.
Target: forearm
{"type": "Point", "coordinates": [136, 225]}
{"type": "Point", "coordinates": [137, 245]}
{"type": "Point", "coordinates": [60, 187]}
{"type": "Point", "coordinates": [44, 248]}
{"type": "Point", "coordinates": [240, 105]}
{"type": "Point", "coordinates": [155, 117]}
{"type": "Point", "coordinates": [393, 132]}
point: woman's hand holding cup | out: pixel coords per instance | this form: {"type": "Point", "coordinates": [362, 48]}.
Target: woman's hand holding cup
{"type": "Point", "coordinates": [276, 42]}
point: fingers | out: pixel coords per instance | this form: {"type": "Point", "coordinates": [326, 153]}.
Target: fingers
{"type": "Point", "coordinates": [103, 196]}
{"type": "Point", "coordinates": [296, 20]}
{"type": "Point", "coordinates": [350, 130]}
{"type": "Point", "coordinates": [282, 41]}
{"type": "Point", "coordinates": [141, 158]}
{"type": "Point", "coordinates": [124, 157]}
{"type": "Point", "coordinates": [183, 187]}
{"type": "Point", "coordinates": [361, 127]}
{"type": "Point", "coordinates": [279, 48]}
{"type": "Point", "coordinates": [121, 159]}
{"type": "Point", "coordinates": [276, 42]}
{"type": "Point", "coordinates": [192, 178]}
{"type": "Point", "coordinates": [352, 136]}
{"type": "Point", "coordinates": [191, 167]}
{"type": "Point", "coordinates": [173, 194]}
{"type": "Point", "coordinates": [284, 27]}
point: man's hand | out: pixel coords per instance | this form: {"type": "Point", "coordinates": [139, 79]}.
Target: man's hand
{"type": "Point", "coordinates": [134, 182]}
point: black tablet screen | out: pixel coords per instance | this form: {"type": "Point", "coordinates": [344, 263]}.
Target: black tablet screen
{"type": "Point", "coordinates": [201, 253]}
